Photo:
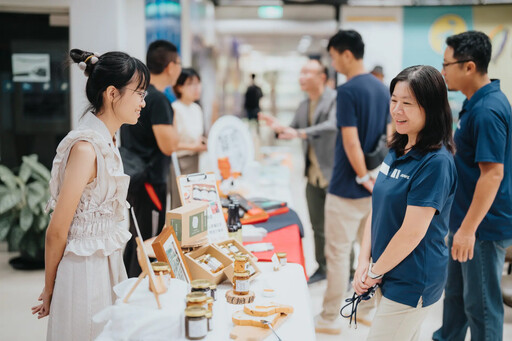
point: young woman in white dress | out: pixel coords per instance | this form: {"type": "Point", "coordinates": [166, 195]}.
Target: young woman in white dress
{"type": "Point", "coordinates": [84, 240]}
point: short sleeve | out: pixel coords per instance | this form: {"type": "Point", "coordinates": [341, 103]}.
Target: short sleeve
{"type": "Point", "coordinates": [345, 109]}
{"type": "Point", "coordinates": [433, 183]}
{"type": "Point", "coordinates": [490, 136]}
{"type": "Point", "coordinates": [161, 111]}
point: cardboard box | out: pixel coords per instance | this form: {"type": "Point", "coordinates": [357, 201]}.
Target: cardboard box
{"type": "Point", "coordinates": [239, 247]}
{"type": "Point", "coordinates": [197, 271]}
{"type": "Point", "coordinates": [190, 223]}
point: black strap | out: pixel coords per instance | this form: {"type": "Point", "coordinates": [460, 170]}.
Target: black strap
{"type": "Point", "coordinates": [354, 302]}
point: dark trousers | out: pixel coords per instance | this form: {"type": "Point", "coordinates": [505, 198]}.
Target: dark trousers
{"type": "Point", "coordinates": [144, 207]}
{"type": "Point", "coordinates": [315, 197]}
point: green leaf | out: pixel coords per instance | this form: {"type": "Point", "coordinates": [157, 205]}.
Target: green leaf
{"type": "Point", "coordinates": [5, 226]}
{"type": "Point", "coordinates": [42, 222]}
{"type": "Point", "coordinates": [36, 193]}
{"type": "Point", "coordinates": [25, 172]}
{"type": "Point", "coordinates": [8, 177]}
{"type": "Point", "coordinates": [37, 167]}
{"type": "Point", "coordinates": [26, 218]}
{"type": "Point", "coordinates": [15, 236]}
{"type": "Point", "coordinates": [10, 200]}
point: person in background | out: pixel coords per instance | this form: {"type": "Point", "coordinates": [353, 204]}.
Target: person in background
{"type": "Point", "coordinates": [88, 187]}
{"type": "Point", "coordinates": [252, 99]}
{"type": "Point", "coordinates": [315, 124]}
{"type": "Point", "coordinates": [152, 141]}
{"type": "Point", "coordinates": [404, 247]}
{"type": "Point", "coordinates": [190, 124]}
{"type": "Point", "coordinates": [481, 217]}
{"type": "Point", "coordinates": [362, 113]}
{"type": "Point", "coordinates": [378, 72]}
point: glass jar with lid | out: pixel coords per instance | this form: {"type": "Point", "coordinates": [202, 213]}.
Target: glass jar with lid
{"type": "Point", "coordinates": [196, 323]}
{"type": "Point", "coordinates": [241, 283]}
{"type": "Point", "coordinates": [197, 299]}
{"type": "Point", "coordinates": [163, 269]}
{"type": "Point", "coordinates": [201, 285]}
{"type": "Point", "coordinates": [241, 262]}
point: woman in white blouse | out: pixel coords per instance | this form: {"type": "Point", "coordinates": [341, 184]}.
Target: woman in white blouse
{"type": "Point", "coordinates": [188, 118]}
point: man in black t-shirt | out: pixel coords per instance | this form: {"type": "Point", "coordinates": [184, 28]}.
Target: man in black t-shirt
{"type": "Point", "coordinates": [151, 141]}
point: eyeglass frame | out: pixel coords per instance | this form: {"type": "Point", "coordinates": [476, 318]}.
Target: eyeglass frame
{"type": "Point", "coordinates": [142, 94]}
{"type": "Point", "coordinates": [456, 62]}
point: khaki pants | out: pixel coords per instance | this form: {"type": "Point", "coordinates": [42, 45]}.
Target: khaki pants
{"type": "Point", "coordinates": [343, 219]}
{"type": "Point", "coordinates": [395, 321]}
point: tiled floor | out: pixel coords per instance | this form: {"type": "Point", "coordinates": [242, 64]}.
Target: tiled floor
{"type": "Point", "coordinates": [19, 290]}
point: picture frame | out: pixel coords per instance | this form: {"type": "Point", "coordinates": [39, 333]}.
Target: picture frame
{"type": "Point", "coordinates": [168, 249]}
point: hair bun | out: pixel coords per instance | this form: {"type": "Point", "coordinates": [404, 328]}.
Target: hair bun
{"type": "Point", "coordinates": [84, 59]}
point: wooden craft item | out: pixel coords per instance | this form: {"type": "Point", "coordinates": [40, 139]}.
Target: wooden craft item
{"type": "Point", "coordinates": [167, 249]}
{"type": "Point", "coordinates": [232, 298]}
{"type": "Point", "coordinates": [259, 310]}
{"type": "Point", "coordinates": [251, 333]}
{"type": "Point", "coordinates": [240, 318]}
{"type": "Point", "coordinates": [156, 286]}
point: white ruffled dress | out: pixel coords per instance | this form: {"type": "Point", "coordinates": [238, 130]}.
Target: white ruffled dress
{"type": "Point", "coordinates": [93, 262]}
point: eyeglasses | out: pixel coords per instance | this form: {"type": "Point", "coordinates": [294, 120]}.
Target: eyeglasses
{"type": "Point", "coordinates": [456, 62]}
{"type": "Point", "coordinates": [142, 94]}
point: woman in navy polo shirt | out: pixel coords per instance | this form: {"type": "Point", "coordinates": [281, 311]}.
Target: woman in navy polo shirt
{"type": "Point", "coordinates": [411, 202]}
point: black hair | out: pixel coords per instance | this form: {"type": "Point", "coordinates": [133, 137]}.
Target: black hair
{"type": "Point", "coordinates": [474, 46]}
{"type": "Point", "coordinates": [160, 54]}
{"type": "Point", "coordinates": [253, 76]}
{"type": "Point", "coordinates": [347, 40]}
{"type": "Point", "coordinates": [429, 89]}
{"type": "Point", "coordinates": [186, 73]}
{"type": "Point", "coordinates": [112, 68]}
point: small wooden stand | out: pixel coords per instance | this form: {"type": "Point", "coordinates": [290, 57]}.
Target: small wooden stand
{"type": "Point", "coordinates": [156, 284]}
{"type": "Point", "coordinates": [251, 333]}
{"type": "Point", "coordinates": [232, 298]}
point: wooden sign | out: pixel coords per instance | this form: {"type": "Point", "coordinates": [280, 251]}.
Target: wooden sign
{"type": "Point", "coordinates": [167, 249]}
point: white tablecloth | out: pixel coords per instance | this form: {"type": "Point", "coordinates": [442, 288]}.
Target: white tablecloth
{"type": "Point", "coordinates": [140, 319]}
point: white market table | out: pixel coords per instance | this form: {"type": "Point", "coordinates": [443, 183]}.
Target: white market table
{"type": "Point", "coordinates": [140, 319]}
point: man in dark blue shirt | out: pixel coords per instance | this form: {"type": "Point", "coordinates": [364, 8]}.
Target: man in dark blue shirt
{"type": "Point", "coordinates": [481, 216]}
{"type": "Point", "coordinates": [362, 115]}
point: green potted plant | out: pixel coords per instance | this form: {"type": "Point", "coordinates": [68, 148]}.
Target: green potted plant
{"type": "Point", "coordinates": [23, 220]}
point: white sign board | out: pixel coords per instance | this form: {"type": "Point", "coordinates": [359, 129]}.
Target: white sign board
{"type": "Point", "coordinates": [31, 67]}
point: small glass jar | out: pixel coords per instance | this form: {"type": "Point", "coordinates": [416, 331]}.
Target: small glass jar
{"type": "Point", "coordinates": [163, 269]}
{"type": "Point", "coordinates": [213, 291]}
{"type": "Point", "coordinates": [197, 299]}
{"type": "Point", "coordinates": [201, 285]}
{"type": "Point", "coordinates": [209, 303]}
{"type": "Point", "coordinates": [224, 248]}
{"type": "Point", "coordinates": [241, 283]}
{"type": "Point", "coordinates": [209, 320]}
{"type": "Point", "coordinates": [212, 263]}
{"type": "Point", "coordinates": [241, 263]}
{"type": "Point", "coordinates": [196, 323]}
{"type": "Point", "coordinates": [234, 250]}
{"type": "Point", "coordinates": [282, 258]}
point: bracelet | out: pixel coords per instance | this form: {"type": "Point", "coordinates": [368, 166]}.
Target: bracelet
{"type": "Point", "coordinates": [363, 179]}
{"type": "Point", "coordinates": [371, 274]}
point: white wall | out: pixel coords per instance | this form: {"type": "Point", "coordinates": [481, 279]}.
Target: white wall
{"type": "Point", "coordinates": [102, 26]}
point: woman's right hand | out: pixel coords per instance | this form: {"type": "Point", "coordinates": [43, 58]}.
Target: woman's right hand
{"type": "Point", "coordinates": [43, 309]}
{"type": "Point", "coordinates": [200, 146]}
{"type": "Point", "coordinates": [360, 277]}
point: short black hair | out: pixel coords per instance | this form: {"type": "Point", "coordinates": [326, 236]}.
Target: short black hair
{"type": "Point", "coordinates": [347, 40]}
{"type": "Point", "coordinates": [112, 68]}
{"type": "Point", "coordinates": [429, 89]}
{"type": "Point", "coordinates": [186, 73]}
{"type": "Point", "coordinates": [472, 45]}
{"type": "Point", "coordinates": [160, 54]}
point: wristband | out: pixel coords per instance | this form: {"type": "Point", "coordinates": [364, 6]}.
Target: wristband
{"type": "Point", "coordinates": [371, 274]}
{"type": "Point", "coordinates": [363, 179]}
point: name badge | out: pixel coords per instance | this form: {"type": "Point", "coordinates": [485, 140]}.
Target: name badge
{"type": "Point", "coordinates": [384, 169]}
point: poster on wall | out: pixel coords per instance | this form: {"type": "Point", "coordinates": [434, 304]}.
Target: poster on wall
{"type": "Point", "coordinates": [31, 67]}
{"type": "Point", "coordinates": [425, 33]}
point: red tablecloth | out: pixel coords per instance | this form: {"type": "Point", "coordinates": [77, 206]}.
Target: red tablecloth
{"type": "Point", "coordinates": [286, 240]}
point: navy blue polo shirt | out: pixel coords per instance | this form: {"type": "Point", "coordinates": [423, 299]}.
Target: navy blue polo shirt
{"type": "Point", "coordinates": [362, 102]}
{"type": "Point", "coordinates": [484, 135]}
{"type": "Point", "coordinates": [416, 179]}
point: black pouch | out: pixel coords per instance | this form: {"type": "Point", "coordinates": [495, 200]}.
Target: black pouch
{"type": "Point", "coordinates": [374, 158]}
{"type": "Point", "coordinates": [134, 166]}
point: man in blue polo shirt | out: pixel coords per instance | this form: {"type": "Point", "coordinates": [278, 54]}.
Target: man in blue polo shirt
{"type": "Point", "coordinates": [481, 216]}
{"type": "Point", "coordinates": [362, 114]}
